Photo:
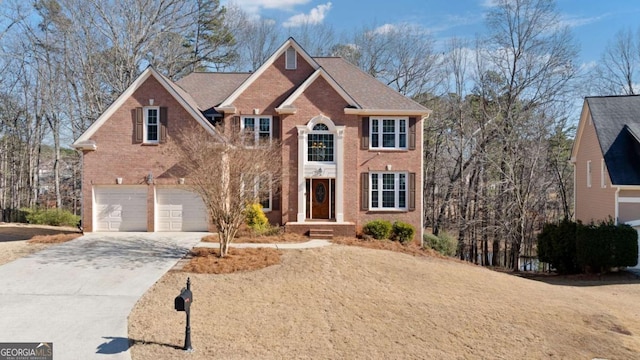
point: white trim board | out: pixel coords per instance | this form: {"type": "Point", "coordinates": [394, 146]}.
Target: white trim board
{"type": "Point", "coordinates": [627, 199]}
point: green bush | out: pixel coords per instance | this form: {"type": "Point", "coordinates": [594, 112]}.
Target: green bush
{"type": "Point", "coordinates": [444, 244]}
{"type": "Point", "coordinates": [557, 246]}
{"type": "Point", "coordinates": [54, 217]}
{"type": "Point", "coordinates": [379, 229]}
{"type": "Point", "coordinates": [625, 251]}
{"type": "Point", "coordinates": [604, 246]}
{"type": "Point", "coordinates": [403, 232]}
{"type": "Point", "coordinates": [255, 218]}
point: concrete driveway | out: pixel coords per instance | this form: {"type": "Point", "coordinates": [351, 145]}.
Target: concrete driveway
{"type": "Point", "coordinates": [79, 294]}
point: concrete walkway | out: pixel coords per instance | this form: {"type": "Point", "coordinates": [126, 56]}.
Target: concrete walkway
{"type": "Point", "coordinates": [79, 294]}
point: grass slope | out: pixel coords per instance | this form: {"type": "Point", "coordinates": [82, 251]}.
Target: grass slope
{"type": "Point", "coordinates": [356, 303]}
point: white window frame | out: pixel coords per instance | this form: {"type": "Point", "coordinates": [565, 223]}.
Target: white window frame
{"type": "Point", "coordinates": [380, 190]}
{"type": "Point", "coordinates": [589, 173]}
{"type": "Point", "coordinates": [145, 131]}
{"type": "Point", "coordinates": [321, 132]}
{"type": "Point", "coordinates": [380, 134]}
{"type": "Point", "coordinates": [255, 189]}
{"type": "Point", "coordinates": [602, 171]}
{"type": "Point", "coordinates": [256, 124]}
{"type": "Point", "coordinates": [291, 59]}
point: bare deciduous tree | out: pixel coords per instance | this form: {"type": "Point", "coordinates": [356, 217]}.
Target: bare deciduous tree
{"type": "Point", "coordinates": [227, 174]}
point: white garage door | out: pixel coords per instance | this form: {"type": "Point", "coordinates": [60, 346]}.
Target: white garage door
{"type": "Point", "coordinates": [180, 210]}
{"type": "Point", "coordinates": [120, 208]}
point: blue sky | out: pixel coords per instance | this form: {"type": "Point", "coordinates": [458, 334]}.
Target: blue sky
{"type": "Point", "coordinates": [593, 22]}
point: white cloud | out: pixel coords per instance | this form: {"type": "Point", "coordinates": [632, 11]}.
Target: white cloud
{"type": "Point", "coordinates": [384, 29]}
{"type": "Point", "coordinates": [576, 21]}
{"type": "Point", "coordinates": [314, 17]}
{"type": "Point", "coordinates": [254, 6]}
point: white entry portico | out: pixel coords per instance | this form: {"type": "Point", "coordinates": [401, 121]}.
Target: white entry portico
{"type": "Point", "coordinates": [326, 166]}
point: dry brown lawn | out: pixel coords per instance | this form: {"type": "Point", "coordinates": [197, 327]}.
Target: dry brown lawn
{"type": "Point", "coordinates": [13, 250]}
{"type": "Point", "coordinates": [357, 303]}
{"type": "Point", "coordinates": [53, 239]}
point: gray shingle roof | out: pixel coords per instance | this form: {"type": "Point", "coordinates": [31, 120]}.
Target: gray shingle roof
{"type": "Point", "coordinates": [366, 90]}
{"type": "Point", "coordinates": [210, 89]}
{"type": "Point", "coordinates": [617, 123]}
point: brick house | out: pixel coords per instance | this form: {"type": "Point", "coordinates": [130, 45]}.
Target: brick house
{"type": "Point", "coordinates": [351, 146]}
{"type": "Point", "coordinates": [606, 160]}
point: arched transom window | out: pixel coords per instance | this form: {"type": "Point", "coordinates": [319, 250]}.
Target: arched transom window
{"type": "Point", "coordinates": [320, 144]}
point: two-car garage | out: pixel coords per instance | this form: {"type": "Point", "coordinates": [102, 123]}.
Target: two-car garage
{"type": "Point", "coordinates": [125, 208]}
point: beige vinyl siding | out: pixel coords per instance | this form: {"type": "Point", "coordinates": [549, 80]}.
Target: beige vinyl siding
{"type": "Point", "coordinates": [591, 203]}
{"type": "Point", "coordinates": [628, 212]}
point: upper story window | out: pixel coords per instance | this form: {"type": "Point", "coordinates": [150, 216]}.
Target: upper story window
{"type": "Point", "coordinates": [320, 144]}
{"type": "Point", "coordinates": [603, 170]}
{"type": "Point", "coordinates": [388, 191]}
{"type": "Point", "coordinates": [290, 59]}
{"type": "Point", "coordinates": [151, 124]}
{"type": "Point", "coordinates": [589, 173]}
{"type": "Point", "coordinates": [256, 129]}
{"type": "Point", "coordinates": [388, 133]}
{"type": "Point", "coordinates": [260, 188]}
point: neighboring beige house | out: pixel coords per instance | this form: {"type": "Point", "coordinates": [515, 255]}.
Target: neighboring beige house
{"type": "Point", "coordinates": [606, 160]}
{"type": "Point", "coordinates": [351, 146]}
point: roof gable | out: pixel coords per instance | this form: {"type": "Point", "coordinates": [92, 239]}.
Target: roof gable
{"type": "Point", "coordinates": [616, 120]}
{"type": "Point", "coordinates": [85, 142]}
{"type": "Point", "coordinates": [227, 104]}
{"type": "Point", "coordinates": [287, 106]}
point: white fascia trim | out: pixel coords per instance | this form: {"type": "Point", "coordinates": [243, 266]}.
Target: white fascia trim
{"type": "Point", "coordinates": [628, 199]}
{"type": "Point", "coordinates": [288, 103]}
{"type": "Point", "coordinates": [89, 145]}
{"type": "Point", "coordinates": [581, 125]}
{"type": "Point", "coordinates": [627, 187]}
{"type": "Point", "coordinates": [113, 107]}
{"type": "Point", "coordinates": [226, 109]}
{"type": "Point", "coordinates": [289, 43]}
{"type": "Point", "coordinates": [424, 113]}
{"type": "Point", "coordinates": [197, 115]}
{"type": "Point", "coordinates": [286, 110]}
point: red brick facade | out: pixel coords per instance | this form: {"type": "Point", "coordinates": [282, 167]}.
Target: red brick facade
{"type": "Point", "coordinates": [118, 156]}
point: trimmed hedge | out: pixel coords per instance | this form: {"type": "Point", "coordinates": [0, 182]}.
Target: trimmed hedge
{"type": "Point", "coordinates": [557, 246]}
{"type": "Point", "coordinates": [379, 229]}
{"type": "Point", "coordinates": [54, 217]}
{"type": "Point", "coordinates": [403, 232]}
{"type": "Point", "coordinates": [571, 247]}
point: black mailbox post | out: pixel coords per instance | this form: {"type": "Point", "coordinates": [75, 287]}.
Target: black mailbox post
{"type": "Point", "coordinates": [183, 302]}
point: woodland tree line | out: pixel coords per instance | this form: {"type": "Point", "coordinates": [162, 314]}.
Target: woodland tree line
{"type": "Point", "coordinates": [496, 145]}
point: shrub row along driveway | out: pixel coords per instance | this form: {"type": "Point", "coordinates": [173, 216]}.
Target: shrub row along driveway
{"type": "Point", "coordinates": [78, 294]}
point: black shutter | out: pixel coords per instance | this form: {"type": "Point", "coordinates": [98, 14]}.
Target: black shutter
{"type": "Point", "coordinates": [412, 133]}
{"type": "Point", "coordinates": [275, 131]}
{"type": "Point", "coordinates": [365, 134]}
{"type": "Point", "coordinates": [138, 126]}
{"type": "Point", "coordinates": [364, 191]}
{"type": "Point", "coordinates": [412, 191]}
{"type": "Point", "coordinates": [164, 120]}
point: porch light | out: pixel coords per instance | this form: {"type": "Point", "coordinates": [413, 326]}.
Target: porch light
{"type": "Point", "coordinates": [150, 179]}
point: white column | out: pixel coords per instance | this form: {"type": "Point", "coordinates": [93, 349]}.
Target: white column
{"type": "Point", "coordinates": [302, 136]}
{"type": "Point", "coordinates": [339, 174]}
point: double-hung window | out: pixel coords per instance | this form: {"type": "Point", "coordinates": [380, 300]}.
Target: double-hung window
{"type": "Point", "coordinates": [388, 191]}
{"type": "Point", "coordinates": [259, 187]}
{"type": "Point", "coordinates": [256, 129]}
{"type": "Point", "coordinates": [388, 133]}
{"type": "Point", "coordinates": [151, 125]}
